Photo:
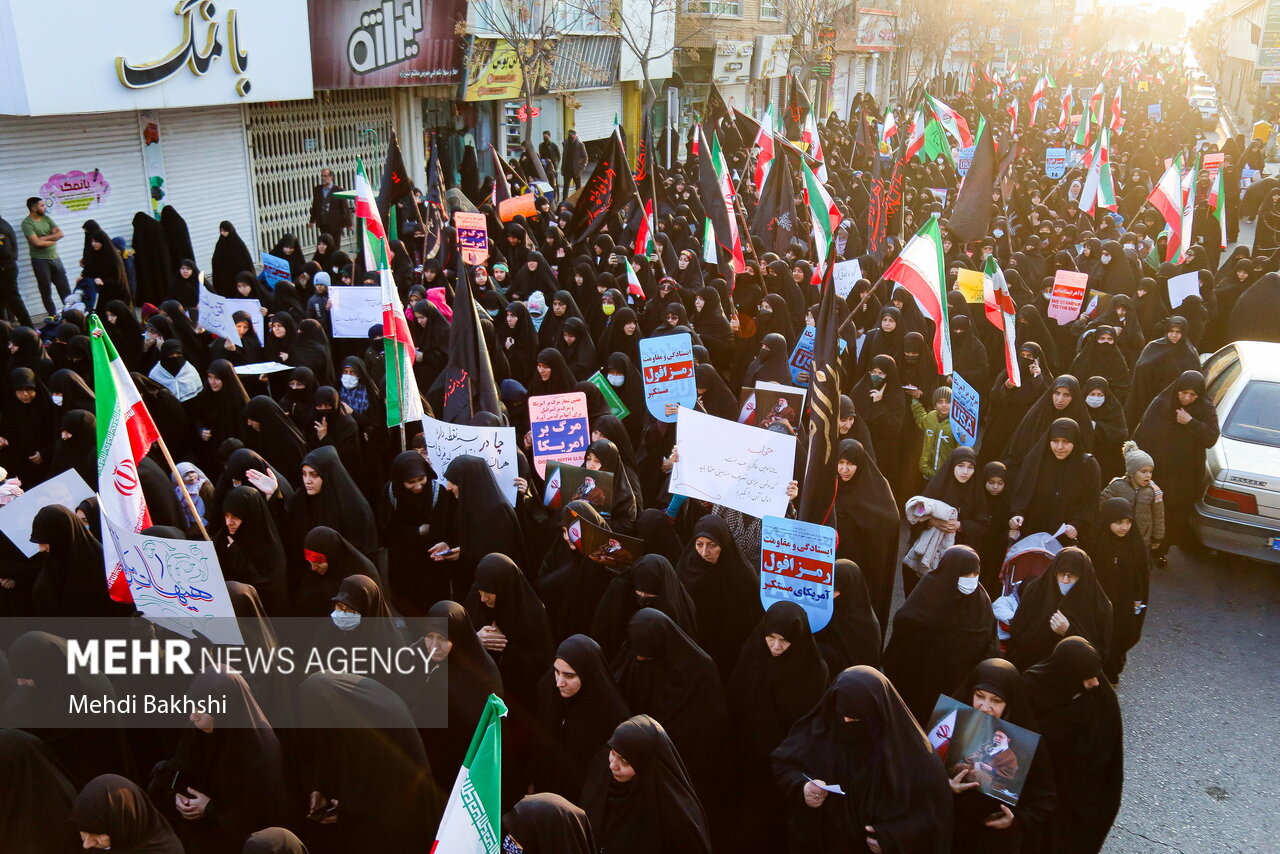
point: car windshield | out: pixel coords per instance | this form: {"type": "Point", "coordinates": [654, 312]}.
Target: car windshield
{"type": "Point", "coordinates": [1256, 415]}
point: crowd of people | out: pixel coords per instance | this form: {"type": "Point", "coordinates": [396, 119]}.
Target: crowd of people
{"type": "Point", "coordinates": [658, 707]}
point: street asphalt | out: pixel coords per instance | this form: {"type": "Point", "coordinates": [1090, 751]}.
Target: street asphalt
{"type": "Point", "coordinates": [1199, 698]}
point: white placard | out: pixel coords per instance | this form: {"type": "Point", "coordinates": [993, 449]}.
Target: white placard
{"type": "Point", "coordinates": [67, 489]}
{"type": "Point", "coordinates": [845, 275]}
{"type": "Point", "coordinates": [355, 308]}
{"type": "Point", "coordinates": [495, 445]}
{"type": "Point", "coordinates": [177, 584]}
{"type": "Point", "coordinates": [733, 464]}
{"type": "Point", "coordinates": [257, 369]}
{"type": "Point", "coordinates": [1183, 286]}
{"type": "Point", "coordinates": [216, 314]}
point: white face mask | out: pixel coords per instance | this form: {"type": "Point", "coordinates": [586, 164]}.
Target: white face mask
{"type": "Point", "coordinates": [1064, 588]}
{"type": "Point", "coordinates": [345, 620]}
{"type": "Point", "coordinates": [616, 380]}
{"type": "Point", "coordinates": [350, 381]}
{"type": "Point", "coordinates": [1106, 259]}
{"type": "Point", "coordinates": [56, 398]}
{"type": "Point", "coordinates": [1093, 401]}
{"type": "Point", "coordinates": [967, 584]}
{"type": "Point", "coordinates": [999, 232]}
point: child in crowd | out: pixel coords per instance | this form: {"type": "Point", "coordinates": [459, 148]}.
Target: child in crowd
{"type": "Point", "coordinates": [936, 425]}
{"type": "Point", "coordinates": [1146, 497]}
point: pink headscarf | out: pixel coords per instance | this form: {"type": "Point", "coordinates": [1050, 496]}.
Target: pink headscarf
{"type": "Point", "coordinates": [436, 296]}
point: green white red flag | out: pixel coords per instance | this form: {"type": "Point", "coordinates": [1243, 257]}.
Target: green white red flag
{"type": "Point", "coordinates": [1037, 95]}
{"type": "Point", "coordinates": [810, 137]}
{"type": "Point", "coordinates": [920, 269]}
{"type": "Point", "coordinates": [1218, 206]}
{"type": "Point", "coordinates": [377, 253]}
{"type": "Point", "coordinates": [1065, 118]}
{"type": "Point", "coordinates": [823, 216]}
{"type": "Point", "coordinates": [888, 131]}
{"type": "Point", "coordinates": [1166, 198]}
{"type": "Point", "coordinates": [126, 433]}
{"type": "Point", "coordinates": [1000, 310]}
{"type": "Point", "coordinates": [915, 138]}
{"type": "Point", "coordinates": [952, 122]}
{"type": "Point", "coordinates": [404, 403]}
{"type": "Point", "coordinates": [472, 820]}
{"type": "Point", "coordinates": [1188, 211]}
{"type": "Point", "coordinates": [1099, 190]}
{"type": "Point", "coordinates": [764, 141]}
{"type": "Point", "coordinates": [633, 281]}
{"type": "Point", "coordinates": [725, 181]}
{"type": "Point", "coordinates": [645, 244]}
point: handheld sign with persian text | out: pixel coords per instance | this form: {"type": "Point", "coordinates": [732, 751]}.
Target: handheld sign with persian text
{"type": "Point", "coordinates": [798, 564]}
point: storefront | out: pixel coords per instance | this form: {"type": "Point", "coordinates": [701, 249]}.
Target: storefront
{"type": "Point", "coordinates": [142, 108]}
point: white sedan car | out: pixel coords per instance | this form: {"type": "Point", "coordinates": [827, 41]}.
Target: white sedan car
{"type": "Point", "coordinates": [1240, 510]}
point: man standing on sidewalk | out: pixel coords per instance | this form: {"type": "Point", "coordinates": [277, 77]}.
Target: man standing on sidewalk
{"type": "Point", "coordinates": [11, 306]}
{"type": "Point", "coordinates": [42, 235]}
{"type": "Point", "coordinates": [575, 160]}
{"type": "Point", "coordinates": [549, 154]}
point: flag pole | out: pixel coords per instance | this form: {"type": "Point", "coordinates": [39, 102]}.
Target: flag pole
{"type": "Point", "coordinates": [186, 496]}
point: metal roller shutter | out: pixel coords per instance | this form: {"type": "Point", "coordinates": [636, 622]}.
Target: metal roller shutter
{"type": "Point", "coordinates": [735, 95]}
{"type": "Point", "coordinates": [860, 65]}
{"type": "Point", "coordinates": [596, 111]}
{"type": "Point", "coordinates": [34, 148]}
{"type": "Point", "coordinates": [290, 140]}
{"type": "Point", "coordinates": [206, 164]}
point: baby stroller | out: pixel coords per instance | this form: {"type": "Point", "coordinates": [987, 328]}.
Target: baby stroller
{"type": "Point", "coordinates": [1027, 558]}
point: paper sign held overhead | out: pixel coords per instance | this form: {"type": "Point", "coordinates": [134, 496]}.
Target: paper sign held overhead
{"type": "Point", "coordinates": [724, 462]}
{"type": "Point", "coordinates": [67, 489]}
{"type": "Point", "coordinates": [354, 309]}
{"type": "Point", "coordinates": [1069, 288]}
{"type": "Point", "coordinates": [964, 411]}
{"type": "Point", "coordinates": [667, 367]}
{"type": "Point", "coordinates": [473, 237]}
{"type": "Point", "coordinates": [561, 431]}
{"type": "Point", "coordinates": [797, 564]}
{"type": "Point", "coordinates": [495, 445]}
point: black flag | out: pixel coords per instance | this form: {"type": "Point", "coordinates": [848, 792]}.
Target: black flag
{"type": "Point", "coordinates": [469, 386]}
{"type": "Point", "coordinates": [774, 221]}
{"type": "Point", "coordinates": [609, 189]}
{"type": "Point", "coordinates": [817, 500]}
{"type": "Point", "coordinates": [434, 211]}
{"type": "Point", "coordinates": [971, 215]}
{"type": "Point", "coordinates": [396, 185]}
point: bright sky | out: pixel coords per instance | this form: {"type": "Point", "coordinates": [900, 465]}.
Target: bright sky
{"type": "Point", "coordinates": [1193, 9]}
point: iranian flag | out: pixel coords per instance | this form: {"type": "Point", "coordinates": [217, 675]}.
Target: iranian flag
{"type": "Point", "coordinates": [126, 433]}
{"type": "Point", "coordinates": [952, 122]}
{"type": "Point", "coordinates": [633, 281]}
{"type": "Point", "coordinates": [1117, 120]}
{"type": "Point", "coordinates": [725, 180]}
{"type": "Point", "coordinates": [1167, 199]}
{"type": "Point", "coordinates": [1188, 212]}
{"type": "Point", "coordinates": [823, 215]}
{"type": "Point", "coordinates": [1218, 206]}
{"type": "Point", "coordinates": [1095, 103]}
{"type": "Point", "coordinates": [941, 734]}
{"type": "Point", "coordinates": [644, 234]}
{"type": "Point", "coordinates": [1000, 310]}
{"type": "Point", "coordinates": [1065, 118]}
{"type": "Point", "coordinates": [809, 136]}
{"type": "Point", "coordinates": [377, 254]}
{"type": "Point", "coordinates": [709, 254]}
{"type": "Point", "coordinates": [764, 141]}
{"type": "Point", "coordinates": [1037, 95]}
{"type": "Point", "coordinates": [1082, 129]}
{"type": "Point", "coordinates": [888, 131]}
{"type": "Point", "coordinates": [1099, 190]}
{"type": "Point", "coordinates": [915, 140]}
{"type": "Point", "coordinates": [404, 404]}
{"type": "Point", "coordinates": [472, 821]}
{"type": "Point", "coordinates": [919, 269]}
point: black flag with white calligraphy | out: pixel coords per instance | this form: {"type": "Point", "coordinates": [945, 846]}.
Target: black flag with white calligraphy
{"type": "Point", "coordinates": [817, 498]}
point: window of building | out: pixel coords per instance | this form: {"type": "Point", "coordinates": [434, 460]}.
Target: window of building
{"type": "Point", "coordinates": [715, 7]}
{"type": "Point", "coordinates": [769, 10]}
